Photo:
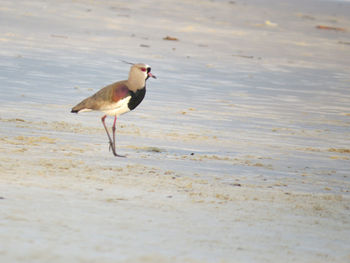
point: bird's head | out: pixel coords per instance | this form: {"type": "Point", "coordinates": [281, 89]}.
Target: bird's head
{"type": "Point", "coordinates": [138, 75]}
{"type": "Point", "coordinates": [140, 71]}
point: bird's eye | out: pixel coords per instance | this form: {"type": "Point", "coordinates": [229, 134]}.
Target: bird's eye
{"type": "Point", "coordinates": [143, 69]}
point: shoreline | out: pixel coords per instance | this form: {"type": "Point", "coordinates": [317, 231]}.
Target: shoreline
{"type": "Point", "coordinates": [238, 153]}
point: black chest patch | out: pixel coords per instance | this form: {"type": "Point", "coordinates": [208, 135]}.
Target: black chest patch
{"type": "Point", "coordinates": [136, 98]}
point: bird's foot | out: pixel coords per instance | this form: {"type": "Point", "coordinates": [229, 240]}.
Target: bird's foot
{"type": "Point", "coordinates": [111, 147]}
{"type": "Point", "coordinates": [118, 155]}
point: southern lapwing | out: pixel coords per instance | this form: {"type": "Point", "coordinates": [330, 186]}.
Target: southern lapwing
{"type": "Point", "coordinates": [118, 98]}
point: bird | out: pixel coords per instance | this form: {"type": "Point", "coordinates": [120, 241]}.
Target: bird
{"type": "Point", "coordinates": [118, 98]}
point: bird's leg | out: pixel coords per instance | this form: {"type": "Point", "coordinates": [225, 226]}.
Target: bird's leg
{"type": "Point", "coordinates": [113, 129]}
{"type": "Point", "coordinates": [109, 137]}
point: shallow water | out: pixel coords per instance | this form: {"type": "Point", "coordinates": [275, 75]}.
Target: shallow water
{"type": "Point", "coordinates": [239, 102]}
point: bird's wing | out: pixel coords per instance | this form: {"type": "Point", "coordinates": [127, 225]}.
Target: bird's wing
{"type": "Point", "coordinates": [120, 92]}
{"type": "Point", "coordinates": [104, 98]}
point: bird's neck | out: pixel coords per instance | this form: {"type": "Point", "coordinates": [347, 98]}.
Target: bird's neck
{"type": "Point", "coordinates": [136, 84]}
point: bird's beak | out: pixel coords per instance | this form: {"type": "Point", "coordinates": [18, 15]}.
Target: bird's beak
{"type": "Point", "coordinates": [151, 75]}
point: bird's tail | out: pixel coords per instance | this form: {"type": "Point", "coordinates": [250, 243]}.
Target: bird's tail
{"type": "Point", "coordinates": [85, 105]}
{"type": "Point", "coordinates": [78, 108]}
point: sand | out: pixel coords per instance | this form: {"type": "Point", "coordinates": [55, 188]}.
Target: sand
{"type": "Point", "coordinates": [240, 151]}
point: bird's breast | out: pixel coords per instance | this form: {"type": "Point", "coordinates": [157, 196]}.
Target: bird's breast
{"type": "Point", "coordinates": [136, 98]}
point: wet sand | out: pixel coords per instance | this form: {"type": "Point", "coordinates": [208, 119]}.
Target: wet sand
{"type": "Point", "coordinates": [240, 151]}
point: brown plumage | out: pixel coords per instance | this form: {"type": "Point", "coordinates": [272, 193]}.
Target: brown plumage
{"type": "Point", "coordinates": [118, 98]}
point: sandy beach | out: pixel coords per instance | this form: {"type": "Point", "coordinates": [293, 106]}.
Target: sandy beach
{"type": "Point", "coordinates": [240, 151]}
